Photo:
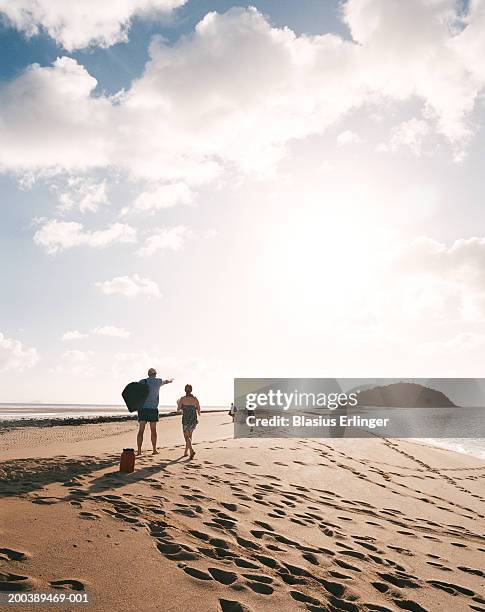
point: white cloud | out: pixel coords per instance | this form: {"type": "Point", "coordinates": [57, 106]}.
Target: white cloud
{"type": "Point", "coordinates": [347, 137]}
{"type": "Point", "coordinates": [14, 356]}
{"type": "Point", "coordinates": [75, 25]}
{"type": "Point", "coordinates": [111, 330]}
{"type": "Point", "coordinates": [55, 235]}
{"type": "Point", "coordinates": [38, 124]}
{"type": "Point", "coordinates": [413, 49]}
{"type": "Point", "coordinates": [163, 196]}
{"type": "Point", "coordinates": [82, 193]}
{"type": "Point", "coordinates": [172, 238]}
{"type": "Point", "coordinates": [463, 260]}
{"type": "Point", "coordinates": [408, 134]}
{"type": "Point", "coordinates": [430, 281]}
{"type": "Point", "coordinates": [129, 286]}
{"type": "Point", "coordinates": [207, 102]}
{"type": "Point", "coordinates": [73, 335]}
{"type": "Point", "coordinates": [105, 330]}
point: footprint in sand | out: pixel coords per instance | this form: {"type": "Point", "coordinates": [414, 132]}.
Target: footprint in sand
{"type": "Point", "coordinates": [468, 570]}
{"type": "Point", "coordinates": [261, 588]}
{"type": "Point", "coordinates": [449, 587]}
{"type": "Point", "coordinates": [247, 543]}
{"type": "Point", "coordinates": [15, 582]}
{"type": "Point", "coordinates": [353, 553]}
{"type": "Point", "coordinates": [347, 565]}
{"type": "Point", "coordinates": [8, 554]}
{"type": "Point", "coordinates": [222, 576]}
{"type": "Point", "coordinates": [240, 562]}
{"type": "Point", "coordinates": [311, 558]}
{"type": "Point", "coordinates": [70, 585]}
{"type": "Point", "coordinates": [292, 580]}
{"type": "Point", "coordinates": [339, 575]}
{"type": "Point", "coordinates": [305, 598]}
{"type": "Point", "coordinates": [259, 578]}
{"type": "Point", "coordinates": [230, 507]}
{"type": "Point", "coordinates": [401, 581]}
{"type": "Point", "coordinates": [218, 543]}
{"type": "Point", "coordinates": [439, 566]}
{"type": "Point", "coordinates": [264, 525]}
{"type": "Point", "coordinates": [197, 573]}
{"type": "Point", "coordinates": [46, 501]}
{"type": "Point", "coordinates": [199, 535]}
{"type": "Point", "coordinates": [176, 552]}
{"type": "Point", "coordinates": [229, 605]}
{"type": "Point", "coordinates": [408, 604]}
{"type": "Point", "coordinates": [89, 515]}
{"type": "Point", "coordinates": [402, 551]}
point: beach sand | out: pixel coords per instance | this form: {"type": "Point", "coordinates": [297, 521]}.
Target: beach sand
{"type": "Point", "coordinates": [282, 524]}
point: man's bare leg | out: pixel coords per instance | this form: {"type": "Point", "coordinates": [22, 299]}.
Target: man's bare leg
{"type": "Point", "coordinates": [139, 437]}
{"type": "Point", "coordinates": [153, 431]}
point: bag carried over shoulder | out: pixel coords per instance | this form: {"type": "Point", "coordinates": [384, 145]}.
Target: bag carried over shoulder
{"type": "Point", "coordinates": [135, 395]}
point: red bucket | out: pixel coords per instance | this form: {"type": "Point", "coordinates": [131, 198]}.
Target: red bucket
{"type": "Point", "coordinates": [127, 460]}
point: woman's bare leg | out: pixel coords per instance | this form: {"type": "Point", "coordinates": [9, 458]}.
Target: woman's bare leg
{"type": "Point", "coordinates": [187, 443]}
{"type": "Point", "coordinates": [192, 451]}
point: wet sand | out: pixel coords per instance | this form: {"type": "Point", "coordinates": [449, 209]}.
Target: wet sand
{"type": "Point", "coordinates": [261, 524]}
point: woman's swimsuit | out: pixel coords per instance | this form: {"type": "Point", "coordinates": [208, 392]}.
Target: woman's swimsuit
{"type": "Point", "coordinates": [189, 417]}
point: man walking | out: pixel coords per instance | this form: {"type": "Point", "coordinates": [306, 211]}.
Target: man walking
{"type": "Point", "coordinates": [148, 413]}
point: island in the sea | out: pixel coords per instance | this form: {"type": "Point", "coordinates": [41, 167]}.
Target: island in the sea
{"type": "Point", "coordinates": [403, 395]}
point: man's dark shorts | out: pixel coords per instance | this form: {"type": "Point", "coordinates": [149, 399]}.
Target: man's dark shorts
{"type": "Point", "coordinates": [148, 414]}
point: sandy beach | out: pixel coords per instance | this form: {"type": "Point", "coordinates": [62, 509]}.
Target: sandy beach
{"type": "Point", "coordinates": [247, 525]}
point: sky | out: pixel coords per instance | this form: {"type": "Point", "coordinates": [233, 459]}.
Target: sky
{"type": "Point", "coordinates": [220, 189]}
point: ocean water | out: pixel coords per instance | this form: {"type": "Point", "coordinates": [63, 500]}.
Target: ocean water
{"type": "Point", "coordinates": [10, 412]}
{"type": "Point", "coordinates": [469, 446]}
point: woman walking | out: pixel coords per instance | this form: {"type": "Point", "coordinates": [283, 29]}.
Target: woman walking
{"type": "Point", "coordinates": [189, 406]}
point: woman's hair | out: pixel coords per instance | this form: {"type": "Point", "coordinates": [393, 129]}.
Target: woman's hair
{"type": "Point", "coordinates": [188, 389]}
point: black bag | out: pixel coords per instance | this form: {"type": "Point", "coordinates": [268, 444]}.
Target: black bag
{"type": "Point", "coordinates": [135, 395]}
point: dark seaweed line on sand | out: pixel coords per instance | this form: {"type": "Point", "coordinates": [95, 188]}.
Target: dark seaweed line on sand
{"type": "Point", "coordinates": [65, 421]}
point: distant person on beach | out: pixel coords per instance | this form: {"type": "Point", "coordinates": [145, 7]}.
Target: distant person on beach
{"type": "Point", "coordinates": [189, 406]}
{"type": "Point", "coordinates": [232, 411]}
{"type": "Point", "coordinates": [149, 411]}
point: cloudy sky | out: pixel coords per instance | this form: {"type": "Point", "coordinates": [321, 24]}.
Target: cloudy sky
{"type": "Point", "coordinates": [274, 188]}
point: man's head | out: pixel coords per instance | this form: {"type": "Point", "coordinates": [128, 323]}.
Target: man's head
{"type": "Point", "coordinates": [152, 372]}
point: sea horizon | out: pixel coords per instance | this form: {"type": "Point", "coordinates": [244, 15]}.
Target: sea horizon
{"type": "Point", "coordinates": [13, 411]}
